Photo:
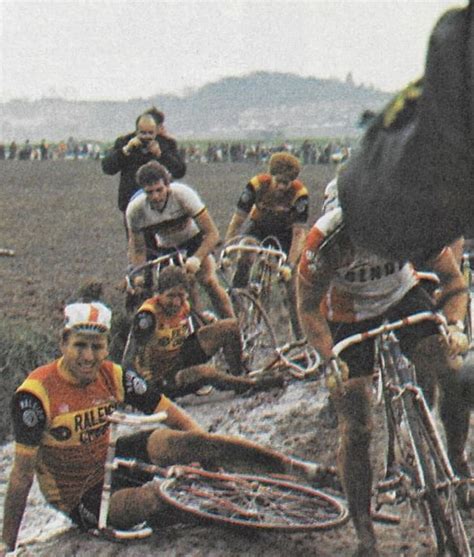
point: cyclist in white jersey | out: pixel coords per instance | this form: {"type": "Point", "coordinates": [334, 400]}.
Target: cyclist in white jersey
{"type": "Point", "coordinates": [165, 216]}
{"type": "Point", "coordinates": [343, 290]}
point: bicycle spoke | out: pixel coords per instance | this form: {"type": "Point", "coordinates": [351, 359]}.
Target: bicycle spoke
{"type": "Point", "coordinates": [253, 501]}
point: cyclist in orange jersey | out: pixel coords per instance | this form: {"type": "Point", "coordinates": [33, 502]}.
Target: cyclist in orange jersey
{"type": "Point", "coordinates": [274, 204]}
{"type": "Point", "coordinates": [61, 434]}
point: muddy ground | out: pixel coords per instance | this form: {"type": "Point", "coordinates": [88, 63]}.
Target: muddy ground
{"type": "Point", "coordinates": [62, 222]}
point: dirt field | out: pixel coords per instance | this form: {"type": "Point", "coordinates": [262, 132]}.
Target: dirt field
{"type": "Point", "coordinates": [61, 220]}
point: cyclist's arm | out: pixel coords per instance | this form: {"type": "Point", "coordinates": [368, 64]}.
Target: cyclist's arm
{"type": "Point", "coordinates": [453, 286]}
{"type": "Point", "coordinates": [315, 326]}
{"type": "Point", "coordinates": [236, 222]}
{"type": "Point", "coordinates": [136, 248]}
{"type": "Point", "coordinates": [177, 418]}
{"type": "Point", "coordinates": [210, 234]}
{"type": "Point", "coordinates": [19, 485]}
{"type": "Point", "coordinates": [298, 236]}
{"type": "Point", "coordinates": [244, 206]}
{"type": "Point", "coordinates": [29, 421]}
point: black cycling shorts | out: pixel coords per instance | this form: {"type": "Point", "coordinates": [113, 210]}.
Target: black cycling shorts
{"type": "Point", "coordinates": [360, 357]}
{"type": "Point", "coordinates": [191, 352]}
{"type": "Point", "coordinates": [86, 514]}
{"type": "Point", "coordinates": [260, 233]}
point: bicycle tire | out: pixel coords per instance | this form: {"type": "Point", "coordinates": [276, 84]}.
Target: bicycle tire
{"type": "Point", "coordinates": [258, 338]}
{"type": "Point", "coordinates": [256, 502]}
{"type": "Point", "coordinates": [440, 493]}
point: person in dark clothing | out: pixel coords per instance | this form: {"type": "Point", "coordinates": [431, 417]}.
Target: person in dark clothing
{"type": "Point", "coordinates": [150, 141]}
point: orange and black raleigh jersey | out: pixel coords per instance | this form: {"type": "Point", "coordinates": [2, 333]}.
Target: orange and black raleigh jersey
{"type": "Point", "coordinates": [161, 336]}
{"type": "Point", "coordinates": [274, 210]}
{"type": "Point", "coordinates": [63, 425]}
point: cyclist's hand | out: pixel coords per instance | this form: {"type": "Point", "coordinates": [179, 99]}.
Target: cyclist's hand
{"type": "Point", "coordinates": [333, 379]}
{"type": "Point", "coordinates": [137, 285]}
{"type": "Point", "coordinates": [286, 273]}
{"type": "Point", "coordinates": [458, 343]}
{"type": "Point", "coordinates": [193, 264]}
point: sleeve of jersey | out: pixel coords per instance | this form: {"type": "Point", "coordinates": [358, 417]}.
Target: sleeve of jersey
{"type": "Point", "coordinates": [301, 209]}
{"type": "Point", "coordinates": [29, 421]}
{"type": "Point", "coordinates": [307, 266]}
{"type": "Point", "coordinates": [189, 200]}
{"type": "Point", "coordinates": [144, 324]}
{"type": "Point", "coordinates": [247, 198]}
{"type": "Point", "coordinates": [139, 394]}
{"type": "Point", "coordinates": [130, 217]}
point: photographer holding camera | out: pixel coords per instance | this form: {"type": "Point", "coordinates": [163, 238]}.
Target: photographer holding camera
{"type": "Point", "coordinates": [150, 141]}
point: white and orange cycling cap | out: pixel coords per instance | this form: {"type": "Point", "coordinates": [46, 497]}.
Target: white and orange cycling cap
{"type": "Point", "coordinates": [93, 317]}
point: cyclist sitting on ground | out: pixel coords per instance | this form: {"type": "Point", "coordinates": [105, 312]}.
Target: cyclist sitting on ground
{"type": "Point", "coordinates": [168, 216]}
{"type": "Point", "coordinates": [62, 433]}
{"type": "Point", "coordinates": [343, 290]}
{"type": "Point", "coordinates": [274, 204]}
{"type": "Point", "coordinates": [173, 357]}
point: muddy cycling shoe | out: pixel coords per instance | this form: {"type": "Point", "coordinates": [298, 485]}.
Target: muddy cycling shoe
{"type": "Point", "coordinates": [269, 381]}
{"type": "Point", "coordinates": [262, 383]}
{"type": "Point", "coordinates": [325, 476]}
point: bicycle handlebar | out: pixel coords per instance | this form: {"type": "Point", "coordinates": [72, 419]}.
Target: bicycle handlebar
{"type": "Point", "coordinates": [136, 420]}
{"type": "Point", "coordinates": [258, 250]}
{"type": "Point", "coordinates": [167, 258]}
{"type": "Point", "coordinates": [413, 319]}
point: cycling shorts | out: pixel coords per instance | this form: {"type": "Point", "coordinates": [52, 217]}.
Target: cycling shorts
{"type": "Point", "coordinates": [260, 233]}
{"type": "Point", "coordinates": [360, 357]}
{"type": "Point", "coordinates": [86, 514]}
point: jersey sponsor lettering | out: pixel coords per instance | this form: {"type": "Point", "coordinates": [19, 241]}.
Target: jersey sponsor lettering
{"type": "Point", "coordinates": [72, 439]}
{"type": "Point", "coordinates": [363, 285]}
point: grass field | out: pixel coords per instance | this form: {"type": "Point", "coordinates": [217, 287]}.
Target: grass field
{"type": "Point", "coordinates": [61, 219]}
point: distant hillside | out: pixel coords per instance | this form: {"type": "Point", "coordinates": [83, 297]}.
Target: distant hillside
{"type": "Point", "coordinates": [260, 105]}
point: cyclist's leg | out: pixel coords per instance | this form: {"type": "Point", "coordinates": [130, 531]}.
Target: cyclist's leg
{"type": "Point", "coordinates": [217, 294]}
{"type": "Point", "coordinates": [191, 379]}
{"type": "Point", "coordinates": [223, 334]}
{"type": "Point", "coordinates": [245, 260]}
{"type": "Point", "coordinates": [167, 447]}
{"type": "Point", "coordinates": [455, 414]}
{"type": "Point", "coordinates": [421, 343]}
{"type": "Point", "coordinates": [352, 404]}
{"type": "Point", "coordinates": [133, 505]}
{"type": "Point", "coordinates": [292, 307]}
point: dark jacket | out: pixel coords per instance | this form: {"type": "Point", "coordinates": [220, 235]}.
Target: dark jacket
{"type": "Point", "coordinates": [115, 161]}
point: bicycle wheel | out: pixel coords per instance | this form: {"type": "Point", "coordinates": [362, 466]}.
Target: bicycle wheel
{"type": "Point", "coordinates": [252, 501]}
{"type": "Point", "coordinates": [439, 488]}
{"type": "Point", "coordinates": [258, 339]}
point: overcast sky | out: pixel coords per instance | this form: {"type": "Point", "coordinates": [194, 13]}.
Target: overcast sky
{"type": "Point", "coordinates": [114, 49]}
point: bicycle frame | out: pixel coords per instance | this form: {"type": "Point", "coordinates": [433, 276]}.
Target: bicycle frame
{"type": "Point", "coordinates": [112, 463]}
{"type": "Point", "coordinates": [299, 371]}
{"type": "Point", "coordinates": [432, 477]}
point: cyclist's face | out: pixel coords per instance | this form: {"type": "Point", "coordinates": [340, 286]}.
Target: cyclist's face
{"type": "Point", "coordinates": [173, 299]}
{"type": "Point", "coordinates": [282, 183]}
{"type": "Point", "coordinates": [83, 355]}
{"type": "Point", "coordinates": [157, 194]}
